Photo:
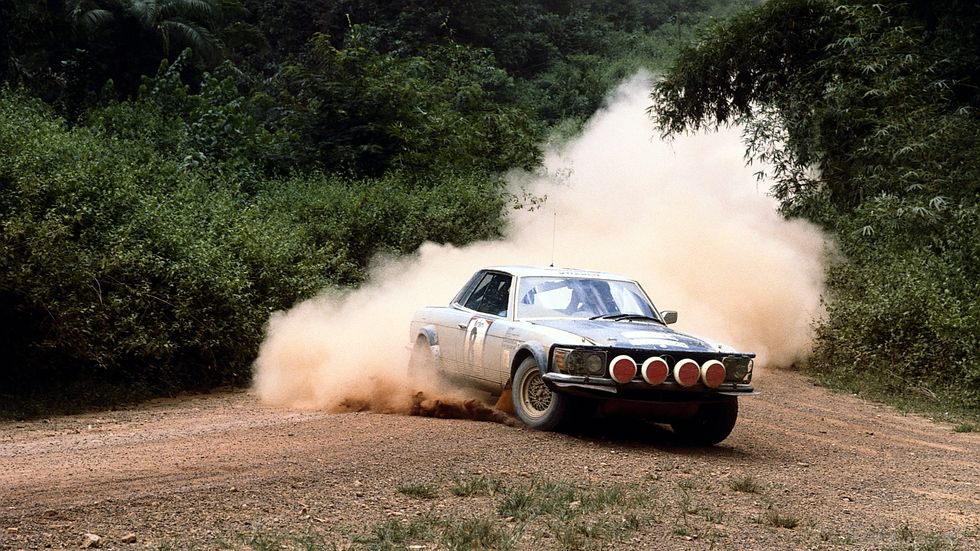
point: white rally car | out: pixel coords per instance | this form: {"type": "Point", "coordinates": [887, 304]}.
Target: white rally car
{"type": "Point", "coordinates": [566, 342]}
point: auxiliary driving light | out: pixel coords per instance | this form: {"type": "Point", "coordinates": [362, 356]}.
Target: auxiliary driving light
{"type": "Point", "coordinates": [687, 372]}
{"type": "Point", "coordinates": [655, 370]}
{"type": "Point", "coordinates": [738, 367]}
{"type": "Point", "coordinates": [712, 373]}
{"type": "Point", "coordinates": [622, 369]}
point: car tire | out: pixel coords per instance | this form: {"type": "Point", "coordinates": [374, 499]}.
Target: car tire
{"type": "Point", "coordinates": [712, 423]}
{"type": "Point", "coordinates": [536, 405]}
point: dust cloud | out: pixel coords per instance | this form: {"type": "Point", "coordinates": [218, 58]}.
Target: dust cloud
{"type": "Point", "coordinates": [686, 218]}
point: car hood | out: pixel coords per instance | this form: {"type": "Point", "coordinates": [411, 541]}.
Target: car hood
{"type": "Point", "coordinates": [624, 334]}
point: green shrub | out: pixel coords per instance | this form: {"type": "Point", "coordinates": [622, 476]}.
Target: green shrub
{"type": "Point", "coordinates": [117, 262]}
{"type": "Point", "coordinates": [365, 111]}
{"type": "Point", "coordinates": [123, 265]}
{"type": "Point", "coordinates": [905, 310]}
{"type": "Point", "coordinates": [353, 220]}
{"type": "Point", "coordinates": [418, 490]}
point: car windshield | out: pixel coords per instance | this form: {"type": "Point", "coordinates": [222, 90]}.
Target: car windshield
{"type": "Point", "coordinates": [561, 297]}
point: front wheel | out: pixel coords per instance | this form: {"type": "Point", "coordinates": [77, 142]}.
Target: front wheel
{"type": "Point", "coordinates": [712, 423]}
{"type": "Point", "coordinates": [536, 405]}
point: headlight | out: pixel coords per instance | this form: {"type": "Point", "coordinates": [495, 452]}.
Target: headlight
{"type": "Point", "coordinates": [580, 362]}
{"type": "Point", "coordinates": [737, 367]}
{"type": "Point", "coordinates": [595, 363]}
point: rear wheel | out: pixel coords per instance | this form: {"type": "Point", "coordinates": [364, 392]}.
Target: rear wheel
{"type": "Point", "coordinates": [712, 423]}
{"type": "Point", "coordinates": [422, 363]}
{"type": "Point", "coordinates": [536, 405]}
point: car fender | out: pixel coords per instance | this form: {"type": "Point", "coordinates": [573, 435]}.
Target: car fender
{"type": "Point", "coordinates": [432, 336]}
{"type": "Point", "coordinates": [536, 350]}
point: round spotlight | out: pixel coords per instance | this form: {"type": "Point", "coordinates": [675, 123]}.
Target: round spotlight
{"type": "Point", "coordinates": [622, 369]}
{"type": "Point", "coordinates": [655, 370]}
{"type": "Point", "coordinates": [687, 372]}
{"type": "Point", "coordinates": [713, 373]}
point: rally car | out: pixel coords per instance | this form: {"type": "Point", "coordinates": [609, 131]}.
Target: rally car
{"type": "Point", "coordinates": [566, 343]}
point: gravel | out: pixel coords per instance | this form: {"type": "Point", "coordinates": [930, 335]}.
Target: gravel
{"type": "Point", "coordinates": [804, 469]}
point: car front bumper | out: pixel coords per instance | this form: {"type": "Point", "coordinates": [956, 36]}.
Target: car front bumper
{"type": "Point", "coordinates": [600, 387]}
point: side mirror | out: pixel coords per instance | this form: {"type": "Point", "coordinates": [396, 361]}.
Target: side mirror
{"type": "Point", "coordinates": [670, 316]}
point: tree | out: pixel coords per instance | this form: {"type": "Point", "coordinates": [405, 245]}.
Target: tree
{"type": "Point", "coordinates": [868, 111]}
{"type": "Point", "coordinates": [868, 93]}
{"type": "Point", "coordinates": [364, 111]}
{"type": "Point", "coordinates": [127, 38]}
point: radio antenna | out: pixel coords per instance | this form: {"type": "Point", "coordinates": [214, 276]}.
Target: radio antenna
{"type": "Point", "coordinates": [554, 234]}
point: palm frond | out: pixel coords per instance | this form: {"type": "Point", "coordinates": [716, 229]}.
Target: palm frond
{"type": "Point", "coordinates": [93, 19]}
{"type": "Point", "coordinates": [178, 34]}
{"type": "Point", "coordinates": [88, 14]}
{"type": "Point", "coordinates": [195, 10]}
{"type": "Point", "coordinates": [147, 12]}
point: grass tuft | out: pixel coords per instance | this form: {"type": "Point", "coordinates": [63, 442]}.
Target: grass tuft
{"type": "Point", "coordinates": [478, 486]}
{"type": "Point", "coordinates": [475, 534]}
{"type": "Point", "coordinates": [518, 504]}
{"type": "Point", "coordinates": [773, 518]}
{"type": "Point", "coordinates": [913, 541]}
{"type": "Point", "coordinates": [748, 484]}
{"type": "Point", "coordinates": [418, 491]}
{"type": "Point", "coordinates": [432, 532]}
{"type": "Point", "coordinates": [565, 501]}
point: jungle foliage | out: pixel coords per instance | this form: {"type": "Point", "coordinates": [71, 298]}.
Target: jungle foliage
{"type": "Point", "coordinates": [868, 113]}
{"type": "Point", "coordinates": [171, 172]}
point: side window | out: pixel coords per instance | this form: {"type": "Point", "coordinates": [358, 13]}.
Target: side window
{"type": "Point", "coordinates": [468, 288]}
{"type": "Point", "coordinates": [490, 295]}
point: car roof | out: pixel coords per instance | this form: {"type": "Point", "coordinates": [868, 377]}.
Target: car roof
{"type": "Point", "coordinates": [551, 271]}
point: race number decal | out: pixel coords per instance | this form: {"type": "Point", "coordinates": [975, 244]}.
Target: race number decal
{"type": "Point", "coordinates": [476, 333]}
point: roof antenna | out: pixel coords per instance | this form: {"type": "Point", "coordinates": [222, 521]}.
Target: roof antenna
{"type": "Point", "coordinates": [554, 233]}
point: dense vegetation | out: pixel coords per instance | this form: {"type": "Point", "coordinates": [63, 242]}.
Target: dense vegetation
{"type": "Point", "coordinates": [173, 171]}
{"type": "Point", "coordinates": [869, 112]}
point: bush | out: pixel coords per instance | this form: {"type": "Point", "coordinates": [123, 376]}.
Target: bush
{"type": "Point", "coordinates": [125, 266]}
{"type": "Point", "coordinates": [214, 126]}
{"type": "Point", "coordinates": [350, 221]}
{"type": "Point", "coordinates": [905, 311]}
{"type": "Point", "coordinates": [120, 264]}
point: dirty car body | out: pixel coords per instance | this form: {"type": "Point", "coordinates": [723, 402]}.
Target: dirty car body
{"type": "Point", "coordinates": [567, 342]}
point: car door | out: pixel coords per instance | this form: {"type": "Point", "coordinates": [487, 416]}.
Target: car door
{"type": "Point", "coordinates": [451, 333]}
{"type": "Point", "coordinates": [495, 363]}
{"type": "Point", "coordinates": [453, 325]}
{"type": "Point", "coordinates": [488, 304]}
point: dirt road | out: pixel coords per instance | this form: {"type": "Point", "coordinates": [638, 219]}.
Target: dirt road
{"type": "Point", "coordinates": [804, 469]}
